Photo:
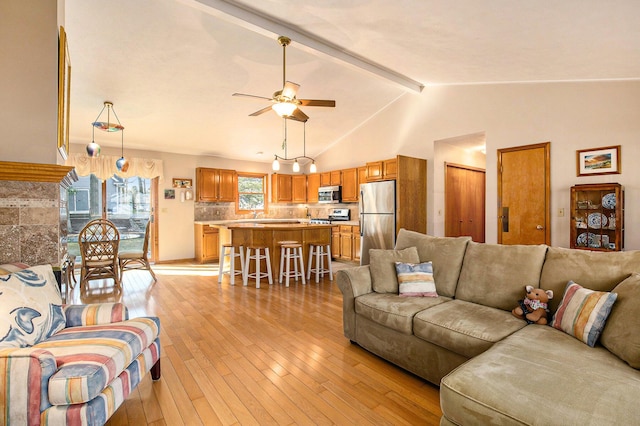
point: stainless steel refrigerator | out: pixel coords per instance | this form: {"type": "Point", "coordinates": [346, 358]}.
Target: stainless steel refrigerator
{"type": "Point", "coordinates": [377, 217]}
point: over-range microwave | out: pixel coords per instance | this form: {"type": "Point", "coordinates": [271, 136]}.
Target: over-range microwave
{"type": "Point", "coordinates": [330, 194]}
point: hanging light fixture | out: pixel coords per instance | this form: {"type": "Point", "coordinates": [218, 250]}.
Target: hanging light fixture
{"type": "Point", "coordinates": [296, 165]}
{"type": "Point", "coordinates": [93, 149]}
{"type": "Point", "coordinates": [122, 163]}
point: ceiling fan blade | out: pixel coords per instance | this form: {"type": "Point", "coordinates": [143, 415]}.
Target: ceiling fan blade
{"type": "Point", "coordinates": [250, 96]}
{"type": "Point", "coordinates": [261, 111]}
{"type": "Point", "coordinates": [290, 89]}
{"type": "Point", "coordinates": [317, 102]}
{"type": "Point", "coordinates": [298, 115]}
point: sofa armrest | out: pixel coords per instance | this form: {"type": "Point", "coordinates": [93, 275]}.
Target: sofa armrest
{"type": "Point", "coordinates": [95, 314]}
{"type": "Point", "coordinates": [24, 375]}
{"type": "Point", "coordinates": [352, 282]}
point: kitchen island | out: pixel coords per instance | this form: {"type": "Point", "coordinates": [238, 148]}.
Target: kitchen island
{"type": "Point", "coordinates": [268, 235]}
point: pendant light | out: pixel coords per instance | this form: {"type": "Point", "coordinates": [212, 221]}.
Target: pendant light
{"type": "Point", "coordinates": [93, 149]}
{"type": "Point", "coordinates": [122, 164]}
{"type": "Point", "coordinates": [275, 165]}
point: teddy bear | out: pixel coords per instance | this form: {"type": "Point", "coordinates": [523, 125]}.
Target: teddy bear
{"type": "Point", "coordinates": [533, 308]}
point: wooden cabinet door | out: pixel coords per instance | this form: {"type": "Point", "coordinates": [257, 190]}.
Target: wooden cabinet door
{"type": "Point", "coordinates": [356, 244]}
{"type": "Point", "coordinates": [350, 185]}
{"type": "Point", "coordinates": [206, 185]}
{"type": "Point", "coordinates": [374, 171]}
{"type": "Point", "coordinates": [336, 177]}
{"type": "Point", "coordinates": [390, 169]}
{"type": "Point", "coordinates": [325, 179]}
{"type": "Point", "coordinates": [362, 178]}
{"type": "Point", "coordinates": [281, 188]}
{"type": "Point", "coordinates": [226, 185]}
{"type": "Point", "coordinates": [346, 242]}
{"type": "Point", "coordinates": [299, 191]}
{"type": "Point", "coordinates": [313, 183]}
{"type": "Point", "coordinates": [335, 242]}
{"type": "Point", "coordinates": [210, 246]}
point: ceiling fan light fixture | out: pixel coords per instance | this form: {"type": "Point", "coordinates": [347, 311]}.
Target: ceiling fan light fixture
{"type": "Point", "coordinates": [284, 109]}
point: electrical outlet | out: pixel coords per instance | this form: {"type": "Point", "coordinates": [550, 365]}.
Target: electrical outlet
{"type": "Point", "coordinates": [560, 212]}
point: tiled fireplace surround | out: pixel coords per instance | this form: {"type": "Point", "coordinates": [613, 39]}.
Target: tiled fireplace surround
{"type": "Point", "coordinates": [33, 212]}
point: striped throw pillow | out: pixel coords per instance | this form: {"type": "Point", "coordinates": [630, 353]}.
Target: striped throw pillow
{"type": "Point", "coordinates": [582, 312]}
{"type": "Point", "coordinates": [416, 279]}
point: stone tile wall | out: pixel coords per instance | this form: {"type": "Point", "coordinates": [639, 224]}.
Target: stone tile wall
{"type": "Point", "coordinates": [32, 222]}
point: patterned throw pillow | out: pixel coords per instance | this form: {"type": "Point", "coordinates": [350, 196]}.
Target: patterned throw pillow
{"type": "Point", "coordinates": [416, 279]}
{"type": "Point", "coordinates": [30, 307]}
{"type": "Point", "coordinates": [582, 312]}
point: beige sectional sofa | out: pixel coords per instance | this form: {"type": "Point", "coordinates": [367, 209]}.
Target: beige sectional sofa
{"type": "Point", "coordinates": [493, 368]}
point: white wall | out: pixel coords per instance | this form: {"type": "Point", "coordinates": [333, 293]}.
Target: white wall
{"type": "Point", "coordinates": [29, 81]}
{"type": "Point", "coordinates": [571, 116]}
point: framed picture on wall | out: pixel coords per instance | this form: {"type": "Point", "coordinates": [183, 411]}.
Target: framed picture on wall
{"type": "Point", "coordinates": [64, 94]}
{"type": "Point", "coordinates": [169, 194]}
{"type": "Point", "coordinates": [599, 161]}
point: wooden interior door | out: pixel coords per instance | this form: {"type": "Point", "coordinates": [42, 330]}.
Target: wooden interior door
{"type": "Point", "coordinates": [464, 202]}
{"type": "Point", "coordinates": [524, 192]}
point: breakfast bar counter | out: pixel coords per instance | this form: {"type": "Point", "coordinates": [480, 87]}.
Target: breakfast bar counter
{"type": "Point", "coordinates": [268, 235]}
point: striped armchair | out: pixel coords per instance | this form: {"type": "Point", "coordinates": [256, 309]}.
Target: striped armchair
{"type": "Point", "coordinates": [68, 364]}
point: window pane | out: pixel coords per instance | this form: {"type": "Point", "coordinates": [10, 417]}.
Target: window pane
{"type": "Point", "coordinates": [251, 201]}
{"type": "Point", "coordinates": [250, 184]}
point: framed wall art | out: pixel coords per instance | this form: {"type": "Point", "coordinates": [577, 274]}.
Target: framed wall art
{"type": "Point", "coordinates": [64, 94]}
{"type": "Point", "coordinates": [169, 194]}
{"type": "Point", "coordinates": [599, 161]}
{"type": "Point", "coordinates": [182, 183]}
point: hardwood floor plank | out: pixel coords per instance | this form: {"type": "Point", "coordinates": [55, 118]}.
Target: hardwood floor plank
{"type": "Point", "coordinates": [235, 355]}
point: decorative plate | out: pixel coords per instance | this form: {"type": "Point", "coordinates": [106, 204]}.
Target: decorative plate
{"type": "Point", "coordinates": [597, 220]}
{"type": "Point", "coordinates": [609, 201]}
{"type": "Point", "coordinates": [586, 239]}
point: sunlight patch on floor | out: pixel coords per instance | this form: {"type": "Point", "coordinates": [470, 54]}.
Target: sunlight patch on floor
{"type": "Point", "coordinates": [209, 270]}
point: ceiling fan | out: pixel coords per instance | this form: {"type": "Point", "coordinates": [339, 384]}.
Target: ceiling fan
{"type": "Point", "coordinates": [284, 102]}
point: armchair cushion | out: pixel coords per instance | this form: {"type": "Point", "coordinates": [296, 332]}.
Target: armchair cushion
{"type": "Point", "coordinates": [95, 314]}
{"type": "Point", "coordinates": [30, 307]}
{"type": "Point", "coordinates": [91, 357]}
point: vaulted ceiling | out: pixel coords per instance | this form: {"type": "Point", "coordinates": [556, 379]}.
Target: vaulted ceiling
{"type": "Point", "coordinates": [171, 66]}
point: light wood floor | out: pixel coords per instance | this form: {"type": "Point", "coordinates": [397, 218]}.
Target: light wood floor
{"type": "Point", "coordinates": [240, 355]}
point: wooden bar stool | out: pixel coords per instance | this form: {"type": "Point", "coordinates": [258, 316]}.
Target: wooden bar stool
{"type": "Point", "coordinates": [230, 251]}
{"type": "Point", "coordinates": [260, 253]}
{"type": "Point", "coordinates": [319, 252]}
{"type": "Point", "coordinates": [291, 251]}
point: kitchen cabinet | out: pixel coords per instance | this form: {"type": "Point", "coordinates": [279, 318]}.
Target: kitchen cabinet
{"type": "Point", "coordinates": [299, 189]}
{"type": "Point", "coordinates": [313, 183]}
{"type": "Point", "coordinates": [335, 242]}
{"type": "Point", "coordinates": [597, 217]}
{"type": "Point", "coordinates": [215, 185]}
{"type": "Point", "coordinates": [362, 178]}
{"type": "Point", "coordinates": [336, 177]}
{"type": "Point", "coordinates": [206, 244]}
{"type": "Point", "coordinates": [382, 170]}
{"type": "Point", "coordinates": [325, 179]}
{"type": "Point", "coordinates": [281, 188]}
{"type": "Point", "coordinates": [355, 256]}
{"type": "Point", "coordinates": [346, 242]}
{"type": "Point", "coordinates": [350, 185]}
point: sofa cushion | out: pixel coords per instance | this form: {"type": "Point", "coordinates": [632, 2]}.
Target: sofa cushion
{"type": "Point", "coordinates": [394, 311]}
{"type": "Point", "coordinates": [446, 254]}
{"type": "Point", "coordinates": [416, 279]}
{"type": "Point", "coordinates": [582, 312]}
{"type": "Point", "coordinates": [618, 336]}
{"type": "Point", "coordinates": [90, 357]}
{"type": "Point", "coordinates": [542, 376]}
{"type": "Point", "coordinates": [465, 328]}
{"type": "Point", "coordinates": [495, 275]}
{"type": "Point", "coordinates": [383, 267]}
{"type": "Point", "coordinates": [600, 271]}
{"type": "Point", "coordinates": [30, 307]}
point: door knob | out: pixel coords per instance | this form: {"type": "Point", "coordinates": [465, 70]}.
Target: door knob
{"type": "Point", "coordinates": [539, 227]}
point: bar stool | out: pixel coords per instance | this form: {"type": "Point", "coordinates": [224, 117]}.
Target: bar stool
{"type": "Point", "coordinates": [291, 251]}
{"type": "Point", "coordinates": [230, 251]}
{"type": "Point", "coordinates": [319, 252]}
{"type": "Point", "coordinates": [260, 252]}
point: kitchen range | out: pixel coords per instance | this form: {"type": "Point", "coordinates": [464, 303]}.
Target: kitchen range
{"type": "Point", "coordinates": [336, 215]}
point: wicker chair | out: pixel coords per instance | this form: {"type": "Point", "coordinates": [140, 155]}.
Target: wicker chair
{"type": "Point", "coordinates": [99, 241]}
{"type": "Point", "coordinates": [137, 259]}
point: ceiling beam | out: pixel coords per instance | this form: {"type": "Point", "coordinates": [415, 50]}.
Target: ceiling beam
{"type": "Point", "coordinates": [272, 27]}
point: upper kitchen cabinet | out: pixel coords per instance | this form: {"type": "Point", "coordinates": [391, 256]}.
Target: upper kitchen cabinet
{"type": "Point", "coordinates": [350, 187]}
{"type": "Point", "coordinates": [331, 178]}
{"type": "Point", "coordinates": [299, 189]}
{"type": "Point", "coordinates": [411, 193]}
{"type": "Point", "coordinates": [215, 185]}
{"type": "Point", "coordinates": [281, 188]}
{"type": "Point", "coordinates": [382, 170]}
{"type": "Point", "coordinates": [313, 183]}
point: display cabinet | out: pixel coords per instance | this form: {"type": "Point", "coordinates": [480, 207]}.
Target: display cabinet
{"type": "Point", "coordinates": [597, 217]}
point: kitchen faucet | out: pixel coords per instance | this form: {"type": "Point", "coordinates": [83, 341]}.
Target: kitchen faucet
{"type": "Point", "coordinates": [255, 214]}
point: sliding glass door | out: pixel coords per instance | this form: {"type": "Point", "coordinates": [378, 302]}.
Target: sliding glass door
{"type": "Point", "coordinates": [127, 202]}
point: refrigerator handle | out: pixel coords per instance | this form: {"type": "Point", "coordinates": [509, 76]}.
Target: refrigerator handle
{"type": "Point", "coordinates": [361, 213]}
